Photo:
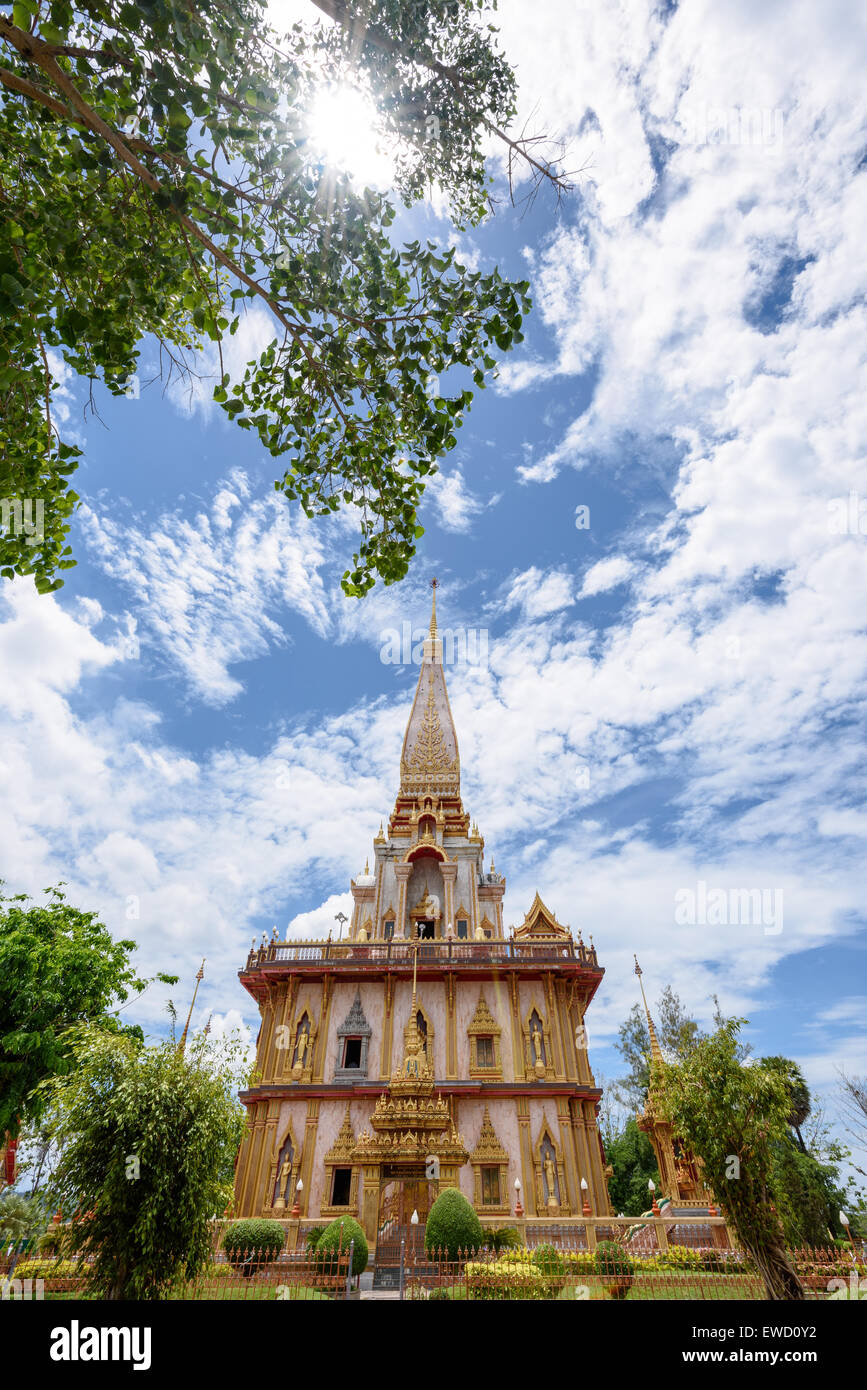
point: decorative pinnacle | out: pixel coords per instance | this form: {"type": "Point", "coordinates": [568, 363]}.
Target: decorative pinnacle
{"type": "Point", "coordinates": [434, 584]}
{"type": "Point", "coordinates": [655, 1049]}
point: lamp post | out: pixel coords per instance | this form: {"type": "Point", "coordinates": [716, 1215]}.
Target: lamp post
{"type": "Point", "coordinates": [342, 919]}
{"type": "Point", "coordinates": [585, 1201]}
{"type": "Point", "coordinates": [844, 1222]}
{"type": "Point", "coordinates": [651, 1187]}
{"type": "Point", "coordinates": [296, 1210]}
{"type": "Point", "coordinates": [519, 1210]}
{"type": "Point", "coordinates": [413, 1221]}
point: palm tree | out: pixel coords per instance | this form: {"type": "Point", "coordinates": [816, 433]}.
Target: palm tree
{"type": "Point", "coordinates": [799, 1091]}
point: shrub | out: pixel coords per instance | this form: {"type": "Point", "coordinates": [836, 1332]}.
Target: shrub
{"type": "Point", "coordinates": [505, 1279]}
{"type": "Point", "coordinates": [579, 1261]}
{"type": "Point", "coordinates": [263, 1240]}
{"type": "Point", "coordinates": [519, 1256]}
{"type": "Point", "coordinates": [46, 1269]}
{"type": "Point", "coordinates": [549, 1262]}
{"type": "Point", "coordinates": [502, 1238]}
{"type": "Point", "coordinates": [337, 1236]}
{"type": "Point", "coordinates": [452, 1226]}
{"type": "Point", "coordinates": [612, 1260]}
{"type": "Point", "coordinates": [54, 1241]}
{"type": "Point", "coordinates": [312, 1235]}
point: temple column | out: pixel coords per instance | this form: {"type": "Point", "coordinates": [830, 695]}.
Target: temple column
{"type": "Point", "coordinates": [402, 873]}
{"type": "Point", "coordinates": [567, 1148]}
{"type": "Point", "coordinates": [556, 1034]}
{"type": "Point", "coordinates": [528, 1179]}
{"type": "Point", "coordinates": [322, 1035]}
{"type": "Point", "coordinates": [451, 1028]}
{"type": "Point", "coordinates": [310, 1128]}
{"type": "Point", "coordinates": [519, 1064]}
{"type": "Point", "coordinates": [449, 873]}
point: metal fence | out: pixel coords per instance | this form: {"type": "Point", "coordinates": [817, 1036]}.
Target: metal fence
{"type": "Point", "coordinates": [676, 1274]}
{"type": "Point", "coordinates": [246, 1276]}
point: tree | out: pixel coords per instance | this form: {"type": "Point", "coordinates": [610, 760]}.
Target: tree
{"type": "Point", "coordinates": [159, 178]}
{"type": "Point", "coordinates": [58, 966]}
{"type": "Point", "coordinates": [21, 1218]}
{"type": "Point", "coordinates": [148, 1136]}
{"type": "Point", "coordinates": [452, 1226]}
{"type": "Point", "coordinates": [808, 1195]}
{"type": "Point", "coordinates": [630, 1154]}
{"type": "Point", "coordinates": [853, 1092]}
{"type": "Point", "coordinates": [732, 1116]}
{"type": "Point", "coordinates": [799, 1092]}
{"type": "Point", "coordinates": [677, 1032]}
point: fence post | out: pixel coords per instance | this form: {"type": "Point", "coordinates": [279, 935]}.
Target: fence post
{"type": "Point", "coordinates": [349, 1269]}
{"type": "Point", "coordinates": [402, 1244]}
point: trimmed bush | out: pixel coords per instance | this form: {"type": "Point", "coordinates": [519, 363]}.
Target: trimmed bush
{"type": "Point", "coordinates": [312, 1236]}
{"type": "Point", "coordinates": [549, 1262]}
{"type": "Point", "coordinates": [505, 1279]}
{"type": "Point", "coordinates": [613, 1261]}
{"type": "Point", "coordinates": [261, 1239]}
{"type": "Point", "coordinates": [452, 1226]}
{"type": "Point", "coordinates": [46, 1269]}
{"type": "Point", "coordinates": [338, 1234]}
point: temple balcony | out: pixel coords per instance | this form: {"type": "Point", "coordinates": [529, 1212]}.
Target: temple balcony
{"type": "Point", "coordinates": [376, 956]}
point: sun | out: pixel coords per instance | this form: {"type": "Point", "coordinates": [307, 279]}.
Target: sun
{"type": "Point", "coordinates": [343, 131]}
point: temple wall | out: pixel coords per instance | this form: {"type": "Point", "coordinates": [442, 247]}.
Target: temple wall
{"type": "Point", "coordinates": [371, 1002]}
{"type": "Point", "coordinates": [432, 998]}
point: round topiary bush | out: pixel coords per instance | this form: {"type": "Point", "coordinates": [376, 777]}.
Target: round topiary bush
{"type": "Point", "coordinates": [452, 1226]}
{"type": "Point", "coordinates": [336, 1237]}
{"type": "Point", "coordinates": [263, 1240]}
{"type": "Point", "coordinates": [549, 1262]}
{"type": "Point", "coordinates": [614, 1262]}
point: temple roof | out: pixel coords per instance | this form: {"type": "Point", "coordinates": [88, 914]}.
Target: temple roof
{"type": "Point", "coordinates": [429, 760]}
{"type": "Point", "coordinates": [540, 921]}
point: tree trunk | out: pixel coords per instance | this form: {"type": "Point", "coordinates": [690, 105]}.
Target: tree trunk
{"type": "Point", "coordinates": [781, 1282]}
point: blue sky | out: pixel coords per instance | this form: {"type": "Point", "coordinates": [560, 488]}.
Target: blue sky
{"type": "Point", "coordinates": [199, 733]}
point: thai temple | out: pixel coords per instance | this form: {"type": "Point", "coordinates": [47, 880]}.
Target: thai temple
{"type": "Point", "coordinates": [432, 1045]}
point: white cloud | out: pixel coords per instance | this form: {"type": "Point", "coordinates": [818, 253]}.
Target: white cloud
{"type": "Point", "coordinates": [606, 574]}
{"type": "Point", "coordinates": [209, 590]}
{"type": "Point", "coordinates": [538, 594]}
{"type": "Point", "coordinates": [455, 505]}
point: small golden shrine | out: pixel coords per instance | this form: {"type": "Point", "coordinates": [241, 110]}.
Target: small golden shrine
{"type": "Point", "coordinates": [679, 1168]}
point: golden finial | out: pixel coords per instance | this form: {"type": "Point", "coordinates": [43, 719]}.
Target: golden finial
{"type": "Point", "coordinates": [199, 977]}
{"type": "Point", "coordinates": [367, 865]}
{"type": "Point", "coordinates": [493, 870]}
{"type": "Point", "coordinates": [434, 584]}
{"type": "Point", "coordinates": [655, 1049]}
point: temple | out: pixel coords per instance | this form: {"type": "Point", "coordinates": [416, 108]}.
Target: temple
{"type": "Point", "coordinates": [431, 1047]}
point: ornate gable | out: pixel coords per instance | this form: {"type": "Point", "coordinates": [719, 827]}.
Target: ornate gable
{"type": "Point", "coordinates": [483, 1020]}
{"type": "Point", "coordinates": [540, 921]}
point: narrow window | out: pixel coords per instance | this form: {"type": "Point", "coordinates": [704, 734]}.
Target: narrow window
{"type": "Point", "coordinates": [342, 1186]}
{"type": "Point", "coordinates": [490, 1187]}
{"type": "Point", "coordinates": [463, 930]}
{"type": "Point", "coordinates": [352, 1052]}
{"type": "Point", "coordinates": [389, 930]}
{"type": "Point", "coordinates": [485, 1052]}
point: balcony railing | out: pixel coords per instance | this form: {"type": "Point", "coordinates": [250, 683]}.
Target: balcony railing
{"type": "Point", "coordinates": [383, 953]}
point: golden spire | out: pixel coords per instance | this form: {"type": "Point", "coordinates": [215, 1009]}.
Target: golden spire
{"type": "Point", "coordinates": [199, 977]}
{"type": "Point", "coordinates": [434, 584]}
{"type": "Point", "coordinates": [655, 1049]}
{"type": "Point", "coordinates": [429, 761]}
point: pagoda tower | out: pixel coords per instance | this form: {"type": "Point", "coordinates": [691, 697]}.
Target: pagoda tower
{"type": "Point", "coordinates": [431, 1047]}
